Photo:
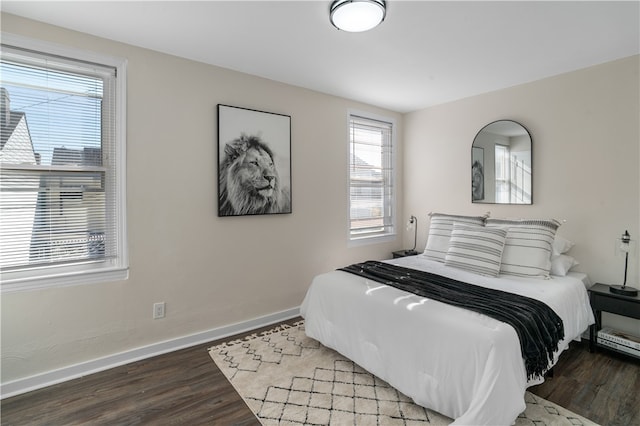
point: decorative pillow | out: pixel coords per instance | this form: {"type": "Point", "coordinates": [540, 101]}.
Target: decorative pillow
{"type": "Point", "coordinates": [440, 232]}
{"type": "Point", "coordinates": [476, 249]}
{"type": "Point", "coordinates": [561, 264]}
{"type": "Point", "coordinates": [561, 245]}
{"type": "Point", "coordinates": [528, 248]}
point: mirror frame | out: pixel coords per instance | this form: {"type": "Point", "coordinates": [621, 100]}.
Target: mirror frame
{"type": "Point", "coordinates": [481, 174]}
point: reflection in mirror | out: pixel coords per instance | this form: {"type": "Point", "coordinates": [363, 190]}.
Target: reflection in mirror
{"type": "Point", "coordinates": [501, 164]}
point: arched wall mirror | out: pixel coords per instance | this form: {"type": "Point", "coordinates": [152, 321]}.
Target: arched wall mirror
{"type": "Point", "coordinates": [501, 164]}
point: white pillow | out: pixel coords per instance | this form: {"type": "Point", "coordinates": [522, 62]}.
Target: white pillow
{"type": "Point", "coordinates": [561, 245]}
{"type": "Point", "coordinates": [561, 264]}
{"type": "Point", "coordinates": [440, 232]}
{"type": "Point", "coordinates": [476, 249]}
{"type": "Point", "coordinates": [528, 248]}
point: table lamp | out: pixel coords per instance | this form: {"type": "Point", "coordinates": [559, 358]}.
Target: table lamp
{"type": "Point", "coordinates": [412, 223]}
{"type": "Point", "coordinates": [625, 247]}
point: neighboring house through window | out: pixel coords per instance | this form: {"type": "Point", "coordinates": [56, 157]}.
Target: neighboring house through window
{"type": "Point", "coordinates": [371, 177]}
{"type": "Point", "coordinates": [62, 166]}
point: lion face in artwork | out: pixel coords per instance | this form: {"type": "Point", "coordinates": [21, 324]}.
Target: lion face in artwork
{"type": "Point", "coordinates": [255, 173]}
{"type": "Point", "coordinates": [249, 181]}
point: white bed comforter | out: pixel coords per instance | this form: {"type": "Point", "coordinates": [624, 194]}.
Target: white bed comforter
{"type": "Point", "coordinates": [459, 363]}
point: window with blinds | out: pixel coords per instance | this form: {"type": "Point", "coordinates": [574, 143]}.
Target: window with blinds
{"type": "Point", "coordinates": [371, 177]}
{"type": "Point", "coordinates": [60, 180]}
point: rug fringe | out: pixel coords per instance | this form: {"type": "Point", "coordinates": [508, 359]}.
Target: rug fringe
{"type": "Point", "coordinates": [253, 336]}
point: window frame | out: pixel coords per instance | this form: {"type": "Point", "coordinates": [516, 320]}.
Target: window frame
{"type": "Point", "coordinates": [391, 234]}
{"type": "Point", "coordinates": [109, 270]}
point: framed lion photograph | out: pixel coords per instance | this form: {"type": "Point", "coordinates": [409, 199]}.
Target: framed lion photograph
{"type": "Point", "coordinates": [254, 162]}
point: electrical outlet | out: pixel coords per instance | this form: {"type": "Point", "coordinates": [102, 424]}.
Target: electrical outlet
{"type": "Point", "coordinates": [158, 310]}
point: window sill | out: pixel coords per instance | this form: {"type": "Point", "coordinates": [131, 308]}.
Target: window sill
{"type": "Point", "coordinates": [377, 239]}
{"type": "Point", "coordinates": [14, 285]}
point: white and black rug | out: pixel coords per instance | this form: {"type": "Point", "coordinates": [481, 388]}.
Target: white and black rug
{"type": "Point", "coordinates": [287, 378]}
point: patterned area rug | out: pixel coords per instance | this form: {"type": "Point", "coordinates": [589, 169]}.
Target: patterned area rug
{"type": "Point", "coordinates": [287, 378]}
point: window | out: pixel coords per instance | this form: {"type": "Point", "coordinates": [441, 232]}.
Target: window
{"type": "Point", "coordinates": [513, 175]}
{"type": "Point", "coordinates": [371, 177]}
{"type": "Point", "coordinates": [502, 174]}
{"type": "Point", "coordinates": [62, 166]}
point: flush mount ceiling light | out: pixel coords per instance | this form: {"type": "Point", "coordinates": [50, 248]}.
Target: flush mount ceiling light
{"type": "Point", "coordinates": [357, 15]}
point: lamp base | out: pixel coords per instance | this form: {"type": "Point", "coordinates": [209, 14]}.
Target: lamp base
{"type": "Point", "coordinates": [623, 290]}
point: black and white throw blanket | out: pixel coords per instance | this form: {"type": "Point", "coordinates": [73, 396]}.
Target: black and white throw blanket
{"type": "Point", "coordinates": [538, 327]}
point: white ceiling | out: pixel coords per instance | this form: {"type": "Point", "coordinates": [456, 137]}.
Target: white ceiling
{"type": "Point", "coordinates": [424, 53]}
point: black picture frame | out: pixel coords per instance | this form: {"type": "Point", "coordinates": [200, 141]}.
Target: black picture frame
{"type": "Point", "coordinates": [254, 162]}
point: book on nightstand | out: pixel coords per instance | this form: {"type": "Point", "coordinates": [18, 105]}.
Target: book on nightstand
{"type": "Point", "coordinates": [618, 340]}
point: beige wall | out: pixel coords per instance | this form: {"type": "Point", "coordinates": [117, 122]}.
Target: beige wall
{"type": "Point", "coordinates": [214, 271]}
{"type": "Point", "coordinates": [210, 271]}
{"type": "Point", "coordinates": [585, 130]}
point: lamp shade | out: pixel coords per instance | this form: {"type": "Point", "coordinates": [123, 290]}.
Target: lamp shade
{"type": "Point", "coordinates": [357, 15]}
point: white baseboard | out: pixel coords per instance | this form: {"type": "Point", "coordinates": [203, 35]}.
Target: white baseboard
{"type": "Point", "coordinates": [38, 381]}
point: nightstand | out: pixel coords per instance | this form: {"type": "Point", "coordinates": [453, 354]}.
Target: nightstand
{"type": "Point", "coordinates": [603, 300]}
{"type": "Point", "coordinates": [404, 253]}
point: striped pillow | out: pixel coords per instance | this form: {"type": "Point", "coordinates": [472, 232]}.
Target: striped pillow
{"type": "Point", "coordinates": [528, 248]}
{"type": "Point", "coordinates": [440, 233]}
{"type": "Point", "coordinates": [476, 249]}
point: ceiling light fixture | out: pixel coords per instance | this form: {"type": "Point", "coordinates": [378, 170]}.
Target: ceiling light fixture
{"type": "Point", "coordinates": [357, 15]}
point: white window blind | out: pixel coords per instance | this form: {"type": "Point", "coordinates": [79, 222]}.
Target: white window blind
{"type": "Point", "coordinates": [59, 201]}
{"type": "Point", "coordinates": [371, 177]}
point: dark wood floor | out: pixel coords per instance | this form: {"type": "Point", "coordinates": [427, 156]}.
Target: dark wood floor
{"type": "Point", "coordinates": [603, 386]}
{"type": "Point", "coordinates": [186, 387]}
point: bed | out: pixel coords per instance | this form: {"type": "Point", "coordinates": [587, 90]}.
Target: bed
{"type": "Point", "coordinates": [460, 363]}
